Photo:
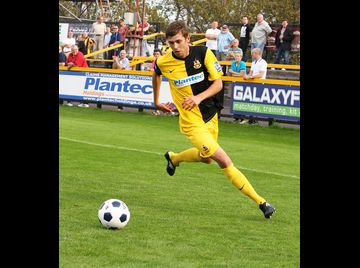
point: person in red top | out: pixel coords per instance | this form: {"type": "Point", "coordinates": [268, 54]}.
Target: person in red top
{"type": "Point", "coordinates": [76, 58]}
{"type": "Point", "coordinates": [143, 29]}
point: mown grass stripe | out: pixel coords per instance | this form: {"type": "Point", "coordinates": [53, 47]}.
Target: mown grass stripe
{"type": "Point", "coordinates": [151, 152]}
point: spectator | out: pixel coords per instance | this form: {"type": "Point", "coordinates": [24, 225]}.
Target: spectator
{"type": "Point", "coordinates": [62, 57]}
{"type": "Point", "coordinates": [258, 70]}
{"type": "Point", "coordinates": [234, 47]}
{"type": "Point", "coordinates": [114, 40]}
{"type": "Point", "coordinates": [85, 43]}
{"type": "Point", "coordinates": [67, 43]}
{"type": "Point", "coordinates": [224, 39]}
{"type": "Point", "coordinates": [123, 29]}
{"type": "Point", "coordinates": [122, 64]}
{"type": "Point", "coordinates": [245, 35]}
{"type": "Point", "coordinates": [157, 53]}
{"type": "Point", "coordinates": [238, 69]}
{"type": "Point", "coordinates": [258, 66]}
{"type": "Point", "coordinates": [76, 58]}
{"type": "Point", "coordinates": [259, 33]}
{"type": "Point", "coordinates": [212, 35]}
{"type": "Point", "coordinates": [143, 30]}
{"type": "Point", "coordinates": [99, 29]}
{"type": "Point", "coordinates": [283, 39]}
{"type": "Point", "coordinates": [107, 38]}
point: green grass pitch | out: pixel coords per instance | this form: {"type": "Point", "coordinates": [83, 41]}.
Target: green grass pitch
{"type": "Point", "coordinates": [196, 218]}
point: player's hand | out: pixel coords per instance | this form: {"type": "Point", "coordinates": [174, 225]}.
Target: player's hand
{"type": "Point", "coordinates": [167, 107]}
{"type": "Point", "coordinates": [190, 102]}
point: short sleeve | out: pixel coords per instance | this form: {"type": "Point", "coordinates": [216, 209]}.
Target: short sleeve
{"type": "Point", "coordinates": [212, 65]}
{"type": "Point", "coordinates": [157, 69]}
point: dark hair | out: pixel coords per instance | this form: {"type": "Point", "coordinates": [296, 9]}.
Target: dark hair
{"type": "Point", "coordinates": [157, 50]}
{"type": "Point", "coordinates": [175, 27]}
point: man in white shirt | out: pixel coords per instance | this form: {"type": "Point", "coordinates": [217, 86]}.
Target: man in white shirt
{"type": "Point", "coordinates": [258, 70]}
{"type": "Point", "coordinates": [211, 35]}
{"type": "Point", "coordinates": [99, 29]}
{"type": "Point", "coordinates": [258, 66]}
{"type": "Point", "coordinates": [67, 43]}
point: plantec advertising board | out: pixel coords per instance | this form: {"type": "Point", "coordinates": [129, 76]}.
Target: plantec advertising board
{"type": "Point", "coordinates": [127, 89]}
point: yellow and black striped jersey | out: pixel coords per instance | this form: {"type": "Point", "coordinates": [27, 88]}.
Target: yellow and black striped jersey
{"type": "Point", "coordinates": [191, 76]}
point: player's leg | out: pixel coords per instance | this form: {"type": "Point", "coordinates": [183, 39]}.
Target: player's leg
{"type": "Point", "coordinates": [189, 155]}
{"type": "Point", "coordinates": [239, 180]}
{"type": "Point", "coordinates": [203, 142]}
{"type": "Point", "coordinates": [174, 159]}
{"type": "Point", "coordinates": [236, 177]}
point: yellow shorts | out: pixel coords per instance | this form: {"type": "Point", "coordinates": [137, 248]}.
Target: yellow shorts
{"type": "Point", "coordinates": [204, 137]}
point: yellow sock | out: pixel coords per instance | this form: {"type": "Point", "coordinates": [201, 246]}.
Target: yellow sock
{"type": "Point", "coordinates": [189, 155]}
{"type": "Point", "coordinates": [240, 181]}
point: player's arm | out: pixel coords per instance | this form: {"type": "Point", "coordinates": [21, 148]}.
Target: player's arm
{"type": "Point", "coordinates": [156, 82]}
{"type": "Point", "coordinates": [191, 101]}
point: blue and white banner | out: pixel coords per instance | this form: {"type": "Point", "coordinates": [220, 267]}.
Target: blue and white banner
{"type": "Point", "coordinates": [266, 100]}
{"type": "Point", "coordinates": [127, 89]}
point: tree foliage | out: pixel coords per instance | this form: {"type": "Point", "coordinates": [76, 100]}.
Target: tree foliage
{"type": "Point", "coordinates": [197, 13]}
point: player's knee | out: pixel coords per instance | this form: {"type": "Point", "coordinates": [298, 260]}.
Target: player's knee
{"type": "Point", "coordinates": [206, 160]}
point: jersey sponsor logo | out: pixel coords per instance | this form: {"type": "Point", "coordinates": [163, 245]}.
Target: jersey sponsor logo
{"type": "Point", "coordinates": [217, 66]}
{"type": "Point", "coordinates": [192, 79]}
{"type": "Point", "coordinates": [197, 64]}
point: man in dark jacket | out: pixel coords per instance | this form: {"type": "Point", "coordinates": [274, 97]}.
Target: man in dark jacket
{"type": "Point", "coordinates": [283, 38]}
{"type": "Point", "coordinates": [245, 31]}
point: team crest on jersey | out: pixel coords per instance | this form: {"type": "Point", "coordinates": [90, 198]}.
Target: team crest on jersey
{"type": "Point", "coordinates": [197, 64]}
{"type": "Point", "coordinates": [205, 149]}
{"type": "Point", "coordinates": [217, 66]}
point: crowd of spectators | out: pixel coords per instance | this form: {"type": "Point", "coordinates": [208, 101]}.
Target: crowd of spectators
{"type": "Point", "coordinates": [221, 42]}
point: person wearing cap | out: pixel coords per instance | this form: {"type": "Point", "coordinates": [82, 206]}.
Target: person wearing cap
{"type": "Point", "coordinates": [114, 40]}
{"type": "Point", "coordinates": [224, 39]}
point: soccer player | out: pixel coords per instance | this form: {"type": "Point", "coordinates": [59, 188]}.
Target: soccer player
{"type": "Point", "coordinates": [195, 80]}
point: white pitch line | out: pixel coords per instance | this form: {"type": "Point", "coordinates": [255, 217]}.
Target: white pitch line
{"type": "Point", "coordinates": [151, 152]}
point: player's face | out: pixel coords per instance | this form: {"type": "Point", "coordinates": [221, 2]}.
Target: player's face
{"type": "Point", "coordinates": [179, 45]}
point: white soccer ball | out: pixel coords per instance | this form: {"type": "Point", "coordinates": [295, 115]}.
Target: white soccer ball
{"type": "Point", "coordinates": [114, 214]}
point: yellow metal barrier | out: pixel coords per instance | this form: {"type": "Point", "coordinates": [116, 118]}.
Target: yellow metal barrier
{"type": "Point", "coordinates": [149, 73]}
{"type": "Point", "coordinates": [270, 65]}
{"type": "Point", "coordinates": [152, 35]}
{"type": "Point", "coordinates": [137, 60]}
{"type": "Point", "coordinates": [197, 34]}
{"type": "Point", "coordinates": [103, 50]}
{"type": "Point", "coordinates": [195, 43]}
